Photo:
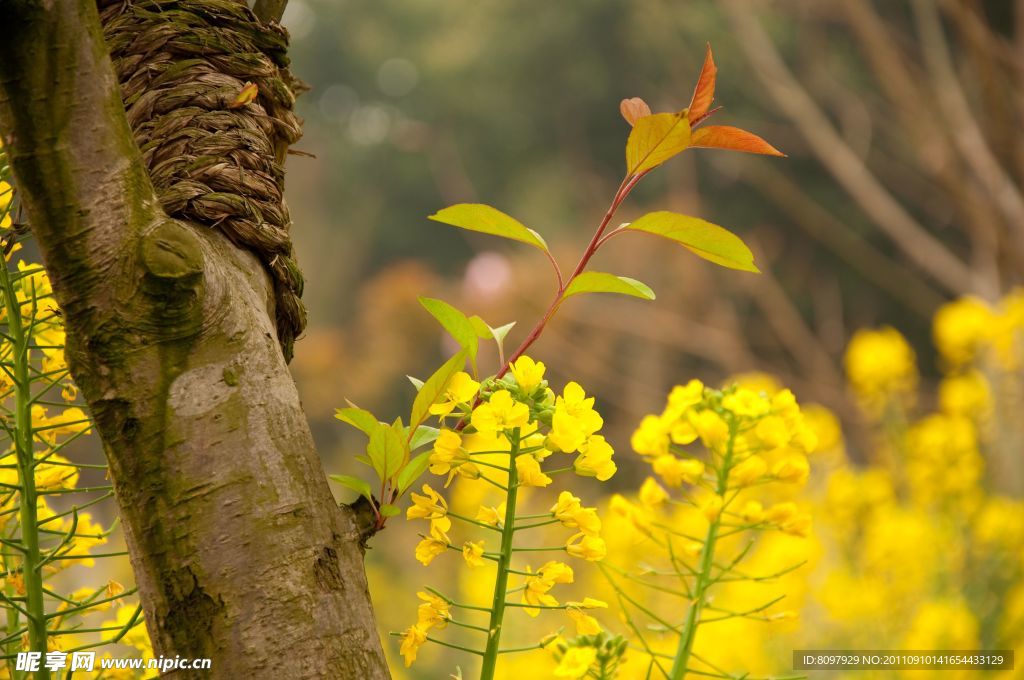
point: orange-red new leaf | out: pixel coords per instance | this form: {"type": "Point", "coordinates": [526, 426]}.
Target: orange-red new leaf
{"type": "Point", "coordinates": [704, 93]}
{"type": "Point", "coordinates": [634, 109]}
{"type": "Point", "coordinates": [655, 139]}
{"type": "Point", "coordinates": [733, 139]}
{"type": "Point", "coordinates": [245, 96]}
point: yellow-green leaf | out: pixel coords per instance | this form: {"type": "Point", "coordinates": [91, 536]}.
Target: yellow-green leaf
{"type": "Point", "coordinates": [388, 510]}
{"type": "Point", "coordinates": [246, 95]}
{"type": "Point", "coordinates": [488, 220]}
{"type": "Point", "coordinates": [356, 484]}
{"type": "Point", "coordinates": [655, 139]}
{"type": "Point", "coordinates": [423, 435]}
{"type": "Point", "coordinates": [456, 323]}
{"type": "Point", "coordinates": [433, 388]}
{"type": "Point", "coordinates": [710, 241]}
{"type": "Point", "coordinates": [358, 418]}
{"type": "Point", "coordinates": [601, 282]}
{"type": "Point", "coordinates": [483, 331]}
{"type": "Point", "coordinates": [412, 471]}
{"type": "Point", "coordinates": [386, 450]}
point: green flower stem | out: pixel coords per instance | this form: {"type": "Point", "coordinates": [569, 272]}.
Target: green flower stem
{"type": "Point", "coordinates": [512, 475]}
{"type": "Point", "coordinates": [454, 646]}
{"type": "Point", "coordinates": [23, 444]}
{"type": "Point", "coordinates": [490, 662]}
{"type": "Point", "coordinates": [538, 524]}
{"type": "Point", "coordinates": [539, 516]}
{"type": "Point", "coordinates": [61, 492]}
{"type": "Point", "coordinates": [14, 629]}
{"type": "Point", "coordinates": [501, 468]}
{"type": "Point", "coordinates": [623, 595]}
{"type": "Point", "coordinates": [85, 556]}
{"type": "Point", "coordinates": [453, 603]}
{"type": "Point", "coordinates": [513, 650]}
{"type": "Point", "coordinates": [478, 523]}
{"type": "Point", "coordinates": [469, 626]}
{"type": "Point", "coordinates": [703, 580]}
{"type": "Point", "coordinates": [520, 572]}
{"type": "Point", "coordinates": [653, 586]}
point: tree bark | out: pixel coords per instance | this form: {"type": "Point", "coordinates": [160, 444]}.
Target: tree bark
{"type": "Point", "coordinates": [239, 550]}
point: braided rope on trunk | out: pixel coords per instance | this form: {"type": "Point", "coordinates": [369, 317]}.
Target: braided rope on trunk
{"type": "Point", "coordinates": [182, 65]}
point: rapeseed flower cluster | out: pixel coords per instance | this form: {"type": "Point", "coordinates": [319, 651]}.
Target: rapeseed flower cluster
{"type": "Point", "coordinates": [512, 433]}
{"type": "Point", "coordinates": [929, 530]}
{"type": "Point", "coordinates": [715, 455]}
{"type": "Point", "coordinates": [882, 369]}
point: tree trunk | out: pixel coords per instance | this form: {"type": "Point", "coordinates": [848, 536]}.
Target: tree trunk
{"type": "Point", "coordinates": [240, 552]}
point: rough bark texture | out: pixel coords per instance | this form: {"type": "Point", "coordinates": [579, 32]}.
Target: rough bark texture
{"type": "Point", "coordinates": [239, 551]}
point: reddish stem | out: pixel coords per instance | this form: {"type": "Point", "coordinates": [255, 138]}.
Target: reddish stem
{"type": "Point", "coordinates": [596, 242]}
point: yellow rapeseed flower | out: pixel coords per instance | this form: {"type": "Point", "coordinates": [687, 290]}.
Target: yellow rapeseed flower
{"type": "Point", "coordinates": [436, 543]}
{"type": "Point", "coordinates": [473, 553]}
{"type": "Point", "coordinates": [746, 403]}
{"type": "Point", "coordinates": [652, 494]}
{"type": "Point", "coordinates": [576, 662]}
{"type": "Point", "coordinates": [595, 460]}
{"type": "Point", "coordinates": [712, 507]}
{"type": "Point", "coordinates": [961, 327]}
{"type": "Point", "coordinates": [713, 430]}
{"type": "Point", "coordinates": [530, 473]}
{"type": "Point", "coordinates": [528, 373]}
{"type": "Point", "coordinates": [412, 639]}
{"type": "Point", "coordinates": [490, 515]}
{"type": "Point", "coordinates": [793, 468]}
{"type": "Point", "coordinates": [462, 389]}
{"type": "Point", "coordinates": [748, 471]}
{"type": "Point", "coordinates": [591, 548]}
{"type": "Point", "coordinates": [881, 366]}
{"type": "Point", "coordinates": [500, 413]}
{"type": "Point", "coordinates": [674, 471]}
{"type": "Point", "coordinates": [429, 505]}
{"type": "Point", "coordinates": [966, 395]}
{"type": "Point", "coordinates": [435, 611]}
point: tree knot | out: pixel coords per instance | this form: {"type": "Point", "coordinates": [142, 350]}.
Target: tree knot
{"type": "Point", "coordinates": [171, 254]}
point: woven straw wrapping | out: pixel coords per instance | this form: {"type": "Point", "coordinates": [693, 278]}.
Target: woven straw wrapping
{"type": "Point", "coordinates": [181, 65]}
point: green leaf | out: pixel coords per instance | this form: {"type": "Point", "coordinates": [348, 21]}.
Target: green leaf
{"type": "Point", "coordinates": [488, 220]}
{"type": "Point", "coordinates": [434, 387]}
{"type": "Point", "coordinates": [357, 417]}
{"type": "Point", "coordinates": [386, 450]}
{"type": "Point", "coordinates": [416, 382]}
{"type": "Point", "coordinates": [456, 323]}
{"type": "Point", "coordinates": [600, 282]}
{"type": "Point", "coordinates": [412, 471]}
{"type": "Point", "coordinates": [707, 240]}
{"type": "Point", "coordinates": [655, 139]}
{"type": "Point", "coordinates": [364, 460]}
{"type": "Point", "coordinates": [485, 331]}
{"type": "Point", "coordinates": [501, 332]}
{"type": "Point", "coordinates": [356, 484]}
{"type": "Point", "coordinates": [424, 435]}
{"type": "Point", "coordinates": [388, 510]}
